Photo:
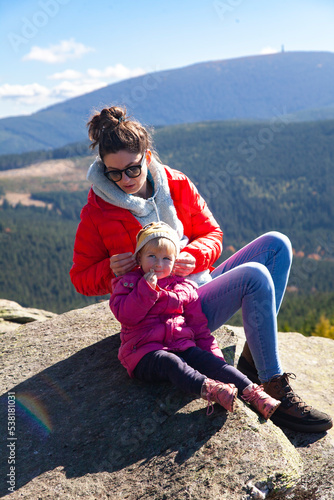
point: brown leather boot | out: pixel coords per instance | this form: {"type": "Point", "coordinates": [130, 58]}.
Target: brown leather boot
{"type": "Point", "coordinates": [246, 365]}
{"type": "Point", "coordinates": [293, 413]}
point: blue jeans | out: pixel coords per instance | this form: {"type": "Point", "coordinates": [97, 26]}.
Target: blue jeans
{"type": "Point", "coordinates": [255, 279]}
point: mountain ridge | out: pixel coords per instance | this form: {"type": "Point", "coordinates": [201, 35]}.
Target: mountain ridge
{"type": "Point", "coordinates": [251, 88]}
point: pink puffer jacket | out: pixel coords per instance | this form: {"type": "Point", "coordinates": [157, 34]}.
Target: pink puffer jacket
{"type": "Point", "coordinates": [168, 318]}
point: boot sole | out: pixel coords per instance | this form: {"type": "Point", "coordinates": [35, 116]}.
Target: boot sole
{"type": "Point", "coordinates": [277, 417]}
{"type": "Point", "coordinates": [273, 411]}
{"type": "Point", "coordinates": [279, 420]}
{"type": "Point", "coordinates": [235, 395]}
{"type": "Point", "coordinates": [231, 405]}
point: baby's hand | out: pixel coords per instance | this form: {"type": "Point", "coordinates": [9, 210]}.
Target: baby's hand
{"type": "Point", "coordinates": [151, 278]}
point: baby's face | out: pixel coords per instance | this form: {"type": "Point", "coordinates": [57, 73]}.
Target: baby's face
{"type": "Point", "coordinates": [158, 259]}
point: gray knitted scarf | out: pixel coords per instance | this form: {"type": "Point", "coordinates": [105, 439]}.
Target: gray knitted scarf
{"type": "Point", "coordinates": [159, 207]}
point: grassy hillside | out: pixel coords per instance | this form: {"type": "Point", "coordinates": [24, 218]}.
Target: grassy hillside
{"type": "Point", "coordinates": [257, 87]}
{"type": "Point", "coordinates": [11, 161]}
{"type": "Point", "coordinates": [254, 177]}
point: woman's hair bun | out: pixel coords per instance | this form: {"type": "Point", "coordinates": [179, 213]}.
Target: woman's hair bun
{"type": "Point", "coordinates": [111, 117]}
{"type": "Point", "coordinates": [106, 120]}
{"type": "Point", "coordinates": [112, 131]}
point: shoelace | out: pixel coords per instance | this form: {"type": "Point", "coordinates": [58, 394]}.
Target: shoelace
{"type": "Point", "coordinates": [209, 409]}
{"type": "Point", "coordinates": [258, 393]}
{"type": "Point", "coordinates": [294, 398]}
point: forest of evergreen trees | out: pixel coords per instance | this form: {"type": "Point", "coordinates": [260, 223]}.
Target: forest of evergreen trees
{"type": "Point", "coordinates": [253, 181]}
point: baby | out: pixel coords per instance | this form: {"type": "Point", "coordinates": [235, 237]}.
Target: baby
{"type": "Point", "coordinates": [164, 334]}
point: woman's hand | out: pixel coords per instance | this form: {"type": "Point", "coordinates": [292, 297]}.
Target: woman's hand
{"type": "Point", "coordinates": [184, 264]}
{"type": "Point", "coordinates": [151, 278]}
{"type": "Point", "coordinates": [122, 263]}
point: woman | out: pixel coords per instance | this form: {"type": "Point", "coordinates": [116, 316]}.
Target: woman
{"type": "Point", "coordinates": [130, 188]}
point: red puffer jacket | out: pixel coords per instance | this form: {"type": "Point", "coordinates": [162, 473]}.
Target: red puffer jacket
{"type": "Point", "coordinates": [106, 230]}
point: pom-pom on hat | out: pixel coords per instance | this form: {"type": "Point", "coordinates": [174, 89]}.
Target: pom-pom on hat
{"type": "Point", "coordinates": [157, 230]}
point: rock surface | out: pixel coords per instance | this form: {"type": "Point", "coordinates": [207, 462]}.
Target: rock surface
{"type": "Point", "coordinates": [85, 430]}
{"type": "Point", "coordinates": [12, 313]}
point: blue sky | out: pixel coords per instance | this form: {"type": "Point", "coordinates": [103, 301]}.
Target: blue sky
{"type": "Point", "coordinates": [52, 50]}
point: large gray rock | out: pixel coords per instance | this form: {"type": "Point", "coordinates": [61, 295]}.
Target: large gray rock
{"type": "Point", "coordinates": [85, 430]}
{"type": "Point", "coordinates": [11, 313]}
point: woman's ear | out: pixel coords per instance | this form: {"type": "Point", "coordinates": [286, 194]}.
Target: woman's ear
{"type": "Point", "coordinates": [148, 156]}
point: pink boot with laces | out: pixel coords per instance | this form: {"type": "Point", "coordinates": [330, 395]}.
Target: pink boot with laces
{"type": "Point", "coordinates": [218, 392]}
{"type": "Point", "coordinates": [260, 400]}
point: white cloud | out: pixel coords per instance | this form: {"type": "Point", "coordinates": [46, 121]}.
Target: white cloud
{"type": "Point", "coordinates": [269, 50]}
{"type": "Point", "coordinates": [68, 74]}
{"type": "Point", "coordinates": [117, 72]}
{"type": "Point", "coordinates": [66, 49]}
{"type": "Point", "coordinates": [40, 95]}
{"type": "Point", "coordinates": [75, 83]}
{"type": "Point", "coordinates": [23, 92]}
{"type": "Point", "coordinates": [23, 99]}
{"type": "Point", "coordinates": [68, 89]}
{"type": "Point", "coordinates": [110, 73]}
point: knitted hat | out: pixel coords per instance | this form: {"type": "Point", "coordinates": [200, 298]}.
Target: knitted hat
{"type": "Point", "coordinates": [157, 230]}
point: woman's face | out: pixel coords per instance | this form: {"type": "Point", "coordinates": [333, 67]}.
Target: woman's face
{"type": "Point", "coordinates": [124, 159]}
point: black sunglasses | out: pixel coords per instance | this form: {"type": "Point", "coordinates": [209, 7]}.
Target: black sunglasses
{"type": "Point", "coordinates": [132, 172]}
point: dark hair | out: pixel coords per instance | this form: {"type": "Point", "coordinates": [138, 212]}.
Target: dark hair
{"type": "Point", "coordinates": [112, 131]}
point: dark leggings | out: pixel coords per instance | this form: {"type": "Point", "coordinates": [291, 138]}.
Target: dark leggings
{"type": "Point", "coordinates": [187, 370]}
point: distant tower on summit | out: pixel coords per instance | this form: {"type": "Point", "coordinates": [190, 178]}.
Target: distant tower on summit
{"type": "Point", "coordinates": [282, 48]}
